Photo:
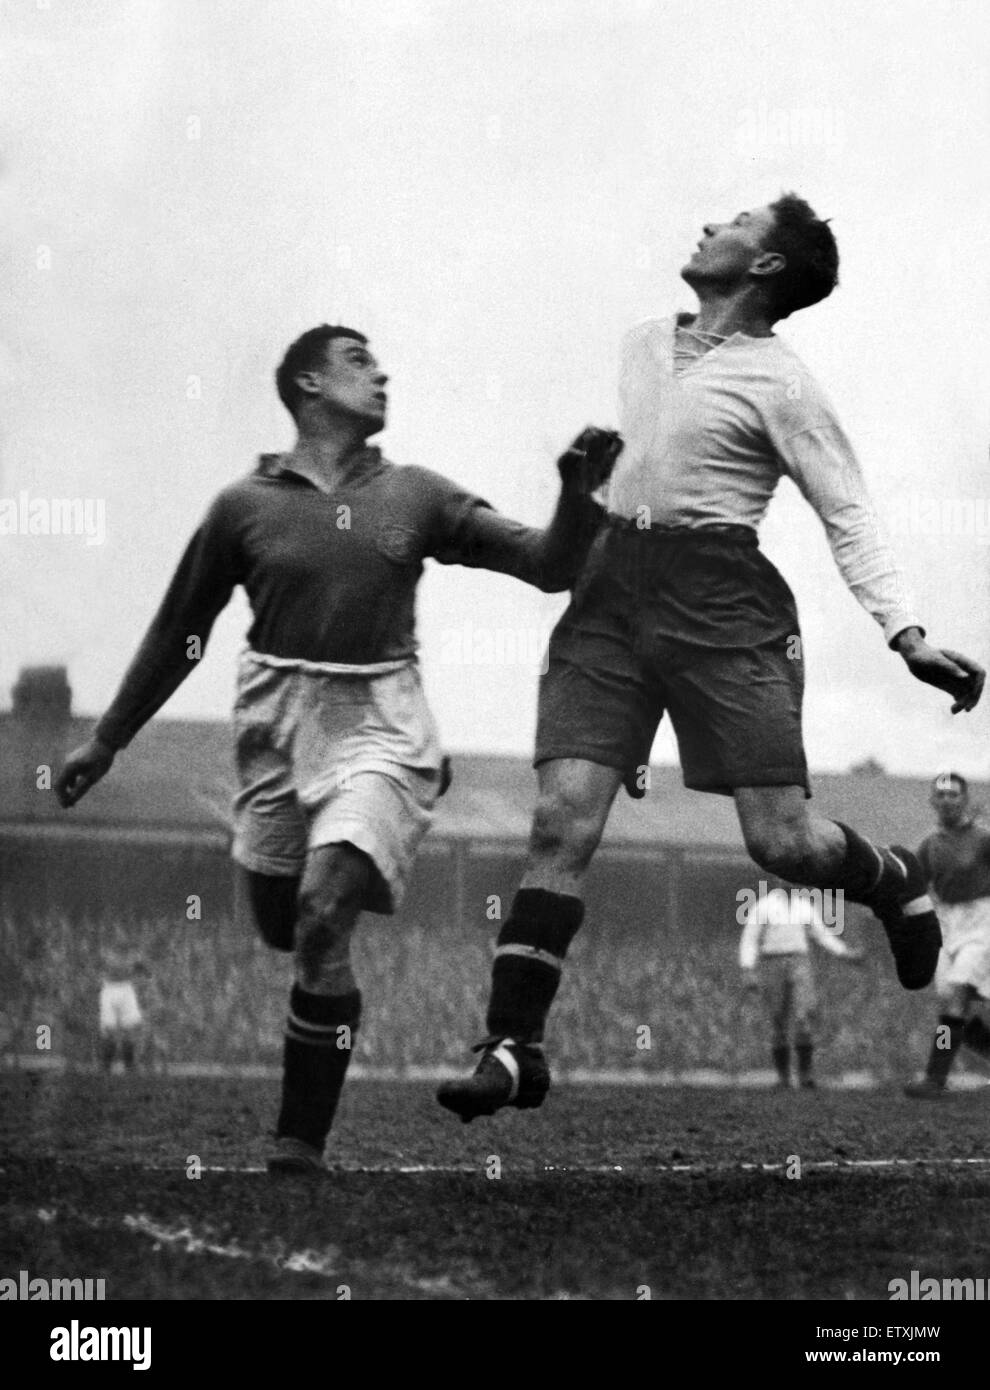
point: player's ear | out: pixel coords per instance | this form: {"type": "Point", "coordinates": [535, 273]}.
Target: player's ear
{"type": "Point", "coordinates": [308, 383]}
{"type": "Point", "coordinates": [768, 263]}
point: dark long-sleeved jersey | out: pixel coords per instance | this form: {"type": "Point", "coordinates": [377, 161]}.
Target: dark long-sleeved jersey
{"type": "Point", "coordinates": [330, 577]}
{"type": "Point", "coordinates": [957, 863]}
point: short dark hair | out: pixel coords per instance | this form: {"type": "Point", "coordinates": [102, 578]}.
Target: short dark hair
{"type": "Point", "coordinates": [307, 354]}
{"type": "Point", "coordinates": [939, 782]}
{"type": "Point", "coordinates": [806, 242]}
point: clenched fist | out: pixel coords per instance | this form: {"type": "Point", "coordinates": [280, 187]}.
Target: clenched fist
{"type": "Point", "coordinates": [590, 459]}
{"type": "Point", "coordinates": [83, 769]}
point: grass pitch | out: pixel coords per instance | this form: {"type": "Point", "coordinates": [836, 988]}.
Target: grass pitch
{"type": "Point", "coordinates": [606, 1193]}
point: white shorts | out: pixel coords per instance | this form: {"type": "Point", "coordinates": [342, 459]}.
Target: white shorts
{"type": "Point", "coordinates": [965, 955]}
{"type": "Point", "coordinates": [119, 1007]}
{"type": "Point", "coordinates": [324, 758]}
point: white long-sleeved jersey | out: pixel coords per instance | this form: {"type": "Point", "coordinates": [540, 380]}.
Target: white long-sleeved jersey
{"type": "Point", "coordinates": [708, 444]}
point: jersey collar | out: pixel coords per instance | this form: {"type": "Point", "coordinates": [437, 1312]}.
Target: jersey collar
{"type": "Point", "coordinates": [684, 319]}
{"type": "Point", "coordinates": [366, 460]}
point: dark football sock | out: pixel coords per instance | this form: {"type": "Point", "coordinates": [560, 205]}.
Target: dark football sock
{"type": "Point", "coordinates": [945, 1045]}
{"type": "Point", "coordinates": [319, 1039]}
{"type": "Point", "coordinates": [863, 875]}
{"type": "Point", "coordinates": [782, 1062]}
{"type": "Point", "coordinates": [805, 1053]}
{"type": "Point", "coordinates": [529, 955]}
{"type": "Point", "coordinates": [976, 1036]}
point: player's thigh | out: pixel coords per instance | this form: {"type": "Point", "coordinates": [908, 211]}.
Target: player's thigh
{"type": "Point", "coordinates": [108, 1009]}
{"type": "Point", "coordinates": [976, 966]}
{"type": "Point", "coordinates": [269, 824]}
{"type": "Point", "coordinates": [955, 999]}
{"type": "Point", "coordinates": [595, 705]}
{"type": "Point", "coordinates": [963, 974]}
{"type": "Point", "coordinates": [274, 905]}
{"type": "Point", "coordinates": [130, 1010]}
{"type": "Point", "coordinates": [804, 998]}
{"type": "Point", "coordinates": [775, 988]}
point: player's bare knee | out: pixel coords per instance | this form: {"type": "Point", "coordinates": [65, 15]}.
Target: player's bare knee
{"type": "Point", "coordinates": [334, 874]}
{"type": "Point", "coordinates": [782, 849]}
{"type": "Point", "coordinates": [549, 827]}
{"type": "Point", "coordinates": [330, 898]}
{"type": "Point", "coordinates": [323, 939]}
{"type": "Point", "coordinates": [763, 847]}
{"type": "Point", "coordinates": [562, 835]}
{"type": "Point", "coordinates": [326, 911]}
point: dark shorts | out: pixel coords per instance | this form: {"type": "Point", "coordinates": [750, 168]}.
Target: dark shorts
{"type": "Point", "coordinates": [788, 988]}
{"type": "Point", "coordinates": [698, 623]}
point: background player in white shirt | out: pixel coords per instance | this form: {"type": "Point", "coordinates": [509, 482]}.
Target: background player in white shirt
{"type": "Point", "coordinates": [678, 611]}
{"type": "Point", "coordinates": [774, 958]}
{"type": "Point", "coordinates": [956, 861]}
{"type": "Point", "coordinates": [121, 1020]}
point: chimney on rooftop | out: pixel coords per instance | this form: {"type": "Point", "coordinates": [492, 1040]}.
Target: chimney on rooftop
{"type": "Point", "coordinates": [36, 738]}
{"type": "Point", "coordinates": [42, 694]}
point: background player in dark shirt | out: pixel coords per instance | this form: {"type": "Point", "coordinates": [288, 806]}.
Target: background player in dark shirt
{"type": "Point", "coordinates": [956, 861]}
{"type": "Point", "coordinates": [338, 756]}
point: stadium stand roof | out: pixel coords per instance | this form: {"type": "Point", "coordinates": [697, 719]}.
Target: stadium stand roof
{"type": "Point", "coordinates": [178, 775]}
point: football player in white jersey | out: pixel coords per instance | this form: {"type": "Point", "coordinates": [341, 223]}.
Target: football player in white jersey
{"type": "Point", "coordinates": [678, 610]}
{"type": "Point", "coordinates": [774, 957]}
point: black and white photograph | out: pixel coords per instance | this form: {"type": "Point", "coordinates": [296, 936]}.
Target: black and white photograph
{"type": "Point", "coordinates": [495, 593]}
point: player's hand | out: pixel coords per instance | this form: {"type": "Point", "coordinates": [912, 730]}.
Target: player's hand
{"type": "Point", "coordinates": [83, 769]}
{"type": "Point", "coordinates": [590, 459]}
{"type": "Point", "coordinates": [855, 955]}
{"type": "Point", "coordinates": [950, 671]}
{"type": "Point", "coordinates": [751, 980]}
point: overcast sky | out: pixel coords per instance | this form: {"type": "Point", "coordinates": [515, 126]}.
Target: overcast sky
{"type": "Point", "coordinates": [494, 192]}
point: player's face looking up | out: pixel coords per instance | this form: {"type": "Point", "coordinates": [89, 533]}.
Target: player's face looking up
{"type": "Point", "coordinates": [350, 384]}
{"type": "Point", "coordinates": [950, 802]}
{"type": "Point", "coordinates": [728, 251]}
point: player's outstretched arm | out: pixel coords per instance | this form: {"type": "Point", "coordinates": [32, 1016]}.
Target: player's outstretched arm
{"type": "Point", "coordinates": [962, 677]}
{"type": "Point", "coordinates": [825, 468]}
{"type": "Point", "coordinates": [200, 588]}
{"type": "Point", "coordinates": [472, 533]}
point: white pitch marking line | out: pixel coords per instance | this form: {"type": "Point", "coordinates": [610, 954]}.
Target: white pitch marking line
{"type": "Point", "coordinates": [839, 1163]}
{"type": "Point", "coordinates": [295, 1261]}
{"type": "Point", "coordinates": [301, 1261]}
{"type": "Point", "coordinates": [634, 1170]}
